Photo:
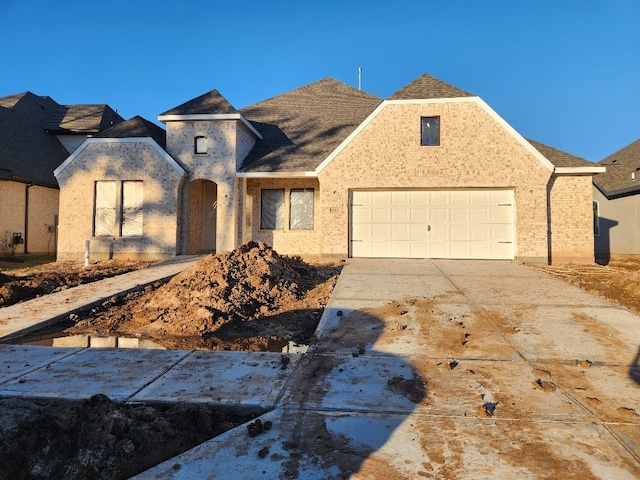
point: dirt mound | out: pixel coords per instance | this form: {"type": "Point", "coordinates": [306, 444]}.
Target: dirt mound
{"type": "Point", "coordinates": [245, 286]}
{"type": "Point", "coordinates": [99, 439]}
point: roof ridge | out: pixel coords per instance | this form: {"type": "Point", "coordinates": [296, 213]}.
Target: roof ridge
{"type": "Point", "coordinates": [426, 87]}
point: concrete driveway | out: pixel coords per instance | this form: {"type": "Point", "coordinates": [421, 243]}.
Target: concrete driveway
{"type": "Point", "coordinates": [448, 369]}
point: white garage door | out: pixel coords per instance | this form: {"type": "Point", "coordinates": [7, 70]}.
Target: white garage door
{"type": "Point", "coordinates": [432, 224]}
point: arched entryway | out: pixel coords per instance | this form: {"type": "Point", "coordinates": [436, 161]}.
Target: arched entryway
{"type": "Point", "coordinates": [202, 211]}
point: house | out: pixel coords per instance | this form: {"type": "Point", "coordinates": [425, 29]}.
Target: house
{"type": "Point", "coordinates": [36, 135]}
{"type": "Point", "coordinates": [616, 204]}
{"type": "Point", "coordinates": [330, 171]}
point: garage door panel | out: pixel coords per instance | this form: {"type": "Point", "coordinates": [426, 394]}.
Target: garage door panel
{"type": "Point", "coordinates": [433, 224]}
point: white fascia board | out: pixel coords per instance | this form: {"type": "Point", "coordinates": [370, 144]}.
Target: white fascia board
{"type": "Point", "coordinates": [176, 166]}
{"type": "Point", "coordinates": [210, 117]}
{"type": "Point", "coordinates": [275, 174]}
{"type": "Point", "coordinates": [579, 170]}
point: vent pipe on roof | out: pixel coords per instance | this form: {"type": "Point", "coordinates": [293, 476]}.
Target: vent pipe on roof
{"type": "Point", "coordinates": [633, 176]}
{"type": "Point", "coordinates": [359, 78]}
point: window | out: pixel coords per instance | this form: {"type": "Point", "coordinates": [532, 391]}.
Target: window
{"type": "Point", "coordinates": [596, 218]}
{"type": "Point", "coordinates": [301, 209]}
{"type": "Point", "coordinates": [430, 131]}
{"type": "Point", "coordinates": [118, 209]}
{"type": "Point", "coordinates": [131, 219]}
{"type": "Point", "coordinates": [104, 221]}
{"type": "Point", "coordinates": [272, 209]}
{"type": "Point", "coordinates": [200, 144]}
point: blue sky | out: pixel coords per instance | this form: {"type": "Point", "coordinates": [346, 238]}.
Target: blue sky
{"type": "Point", "coordinates": [565, 73]}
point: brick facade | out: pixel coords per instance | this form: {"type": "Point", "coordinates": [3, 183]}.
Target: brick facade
{"type": "Point", "coordinates": [475, 151]}
{"type": "Point", "coordinates": [228, 144]}
{"type": "Point", "coordinates": [39, 234]}
{"type": "Point", "coordinates": [116, 160]}
{"type": "Point", "coordinates": [571, 219]}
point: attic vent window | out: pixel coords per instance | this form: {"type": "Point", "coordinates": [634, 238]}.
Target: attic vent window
{"type": "Point", "coordinates": [200, 144]}
{"type": "Point", "coordinates": [430, 131]}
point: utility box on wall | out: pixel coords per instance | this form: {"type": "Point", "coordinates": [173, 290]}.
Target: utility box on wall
{"type": "Point", "coordinates": [17, 238]}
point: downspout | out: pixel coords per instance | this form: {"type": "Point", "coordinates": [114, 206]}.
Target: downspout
{"type": "Point", "coordinates": [26, 216]}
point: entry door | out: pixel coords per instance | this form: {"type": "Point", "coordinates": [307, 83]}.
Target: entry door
{"type": "Point", "coordinates": [210, 210]}
{"type": "Point", "coordinates": [476, 224]}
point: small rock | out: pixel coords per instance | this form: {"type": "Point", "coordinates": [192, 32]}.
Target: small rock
{"type": "Point", "coordinates": [263, 452]}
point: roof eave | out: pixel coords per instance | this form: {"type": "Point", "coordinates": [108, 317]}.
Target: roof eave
{"type": "Point", "coordinates": [579, 170]}
{"type": "Point", "coordinates": [210, 117]}
{"type": "Point", "coordinates": [276, 174]}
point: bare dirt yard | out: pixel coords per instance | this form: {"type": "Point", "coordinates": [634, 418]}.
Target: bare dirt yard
{"type": "Point", "coordinates": [28, 283]}
{"type": "Point", "coordinates": [246, 299]}
{"type": "Point", "coordinates": [618, 281]}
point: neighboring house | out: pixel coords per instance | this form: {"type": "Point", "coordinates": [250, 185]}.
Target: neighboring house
{"type": "Point", "coordinates": [328, 170]}
{"type": "Point", "coordinates": [616, 204]}
{"type": "Point", "coordinates": [34, 131]}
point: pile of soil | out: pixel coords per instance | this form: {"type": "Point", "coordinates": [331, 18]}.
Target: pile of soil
{"type": "Point", "coordinates": [221, 301]}
{"type": "Point", "coordinates": [99, 439]}
{"type": "Point", "coordinates": [618, 280]}
{"type": "Point", "coordinates": [21, 285]}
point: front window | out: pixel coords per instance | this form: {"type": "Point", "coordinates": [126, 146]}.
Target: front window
{"type": "Point", "coordinates": [200, 145]}
{"type": "Point", "coordinates": [301, 209]}
{"type": "Point", "coordinates": [117, 208]}
{"type": "Point", "coordinates": [430, 131]}
{"type": "Point", "coordinates": [272, 209]}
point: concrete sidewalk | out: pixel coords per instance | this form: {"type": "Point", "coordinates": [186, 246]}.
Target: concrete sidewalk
{"type": "Point", "coordinates": [422, 369]}
{"type": "Point", "coordinates": [22, 318]}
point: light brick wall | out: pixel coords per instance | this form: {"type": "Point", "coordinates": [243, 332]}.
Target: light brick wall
{"type": "Point", "coordinates": [228, 144]}
{"type": "Point", "coordinates": [43, 207]}
{"type": "Point", "coordinates": [571, 216]}
{"type": "Point", "coordinates": [475, 152]}
{"type": "Point", "coordinates": [285, 241]}
{"type": "Point", "coordinates": [118, 161]}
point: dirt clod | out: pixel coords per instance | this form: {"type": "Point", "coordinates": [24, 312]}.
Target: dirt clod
{"type": "Point", "coordinates": [544, 385]}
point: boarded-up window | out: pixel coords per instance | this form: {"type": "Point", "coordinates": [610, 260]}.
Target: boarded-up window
{"type": "Point", "coordinates": [272, 209]}
{"type": "Point", "coordinates": [131, 208]}
{"type": "Point", "coordinates": [301, 209]}
{"type": "Point", "coordinates": [105, 209]}
{"type": "Point", "coordinates": [118, 208]}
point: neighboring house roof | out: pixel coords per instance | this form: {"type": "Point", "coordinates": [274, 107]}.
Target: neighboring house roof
{"type": "Point", "coordinates": [427, 87]}
{"type": "Point", "coordinates": [35, 109]}
{"type": "Point", "coordinates": [134, 128]}
{"type": "Point", "coordinates": [84, 119]}
{"type": "Point", "coordinates": [28, 154]}
{"type": "Point", "coordinates": [210, 103]}
{"type": "Point", "coordinates": [559, 158]}
{"type": "Point", "coordinates": [623, 172]}
{"type": "Point", "coordinates": [300, 128]}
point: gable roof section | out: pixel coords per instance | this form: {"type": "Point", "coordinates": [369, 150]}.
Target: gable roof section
{"type": "Point", "coordinates": [84, 119]}
{"type": "Point", "coordinates": [208, 106]}
{"type": "Point", "coordinates": [34, 109]}
{"type": "Point", "coordinates": [427, 87]}
{"type": "Point", "coordinates": [136, 127]}
{"type": "Point", "coordinates": [565, 162]}
{"type": "Point", "coordinates": [617, 180]}
{"type": "Point", "coordinates": [28, 154]}
{"type": "Point", "coordinates": [300, 128]}
{"type": "Point", "coordinates": [210, 103]}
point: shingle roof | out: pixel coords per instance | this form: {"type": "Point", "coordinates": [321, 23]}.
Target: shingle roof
{"type": "Point", "coordinates": [425, 87]}
{"type": "Point", "coordinates": [27, 152]}
{"type": "Point", "coordinates": [82, 119]}
{"type": "Point", "coordinates": [210, 103]}
{"type": "Point", "coordinates": [136, 127]}
{"type": "Point", "coordinates": [302, 127]}
{"type": "Point", "coordinates": [559, 158]}
{"type": "Point", "coordinates": [616, 181]}
{"type": "Point", "coordinates": [35, 109]}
